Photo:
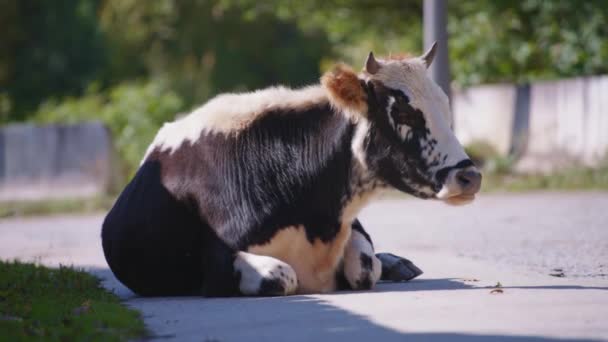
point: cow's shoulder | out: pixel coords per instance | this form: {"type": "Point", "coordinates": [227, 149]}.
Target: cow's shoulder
{"type": "Point", "coordinates": [232, 113]}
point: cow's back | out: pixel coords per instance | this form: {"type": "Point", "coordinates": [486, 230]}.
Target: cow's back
{"type": "Point", "coordinates": [151, 241]}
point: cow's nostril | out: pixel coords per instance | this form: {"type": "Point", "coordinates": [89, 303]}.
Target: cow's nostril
{"type": "Point", "coordinates": [469, 181]}
{"type": "Point", "coordinates": [462, 180]}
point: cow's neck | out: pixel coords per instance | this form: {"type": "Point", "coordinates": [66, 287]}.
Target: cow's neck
{"type": "Point", "coordinates": [363, 185]}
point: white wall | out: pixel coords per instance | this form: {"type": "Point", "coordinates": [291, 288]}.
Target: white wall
{"type": "Point", "coordinates": [54, 161]}
{"type": "Point", "coordinates": [565, 122]}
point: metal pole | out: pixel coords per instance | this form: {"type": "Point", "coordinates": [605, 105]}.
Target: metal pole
{"type": "Point", "coordinates": [435, 29]}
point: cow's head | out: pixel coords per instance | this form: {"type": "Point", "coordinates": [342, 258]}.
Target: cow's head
{"type": "Point", "coordinates": [404, 135]}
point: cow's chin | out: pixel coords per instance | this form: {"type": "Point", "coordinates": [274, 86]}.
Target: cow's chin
{"type": "Point", "coordinates": [453, 195]}
{"type": "Point", "coordinates": [459, 200]}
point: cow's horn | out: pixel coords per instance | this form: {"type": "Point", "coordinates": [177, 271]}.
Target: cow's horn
{"type": "Point", "coordinates": [428, 56]}
{"type": "Point", "coordinates": [371, 64]}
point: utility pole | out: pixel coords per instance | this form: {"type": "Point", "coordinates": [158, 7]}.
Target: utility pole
{"type": "Point", "coordinates": [435, 29]}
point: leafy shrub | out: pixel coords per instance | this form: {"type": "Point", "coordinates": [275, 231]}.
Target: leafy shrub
{"type": "Point", "coordinates": [485, 156]}
{"type": "Point", "coordinates": [132, 111]}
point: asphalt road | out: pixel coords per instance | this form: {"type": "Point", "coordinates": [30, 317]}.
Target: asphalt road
{"type": "Point", "coordinates": [517, 240]}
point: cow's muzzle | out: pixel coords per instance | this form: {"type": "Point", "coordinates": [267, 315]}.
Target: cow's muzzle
{"type": "Point", "coordinates": [460, 185]}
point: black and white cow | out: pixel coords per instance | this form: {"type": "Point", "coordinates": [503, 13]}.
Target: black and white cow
{"type": "Point", "coordinates": [258, 193]}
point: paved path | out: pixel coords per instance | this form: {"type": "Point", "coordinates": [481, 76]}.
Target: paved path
{"type": "Point", "coordinates": [517, 240]}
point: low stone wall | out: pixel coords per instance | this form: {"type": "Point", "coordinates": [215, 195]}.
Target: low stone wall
{"type": "Point", "coordinates": [546, 125]}
{"type": "Point", "coordinates": [54, 161]}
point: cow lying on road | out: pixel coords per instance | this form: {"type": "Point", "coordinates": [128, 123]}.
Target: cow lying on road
{"type": "Point", "coordinates": [258, 193]}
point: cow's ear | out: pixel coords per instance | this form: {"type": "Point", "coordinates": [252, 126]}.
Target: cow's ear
{"type": "Point", "coordinates": [345, 91]}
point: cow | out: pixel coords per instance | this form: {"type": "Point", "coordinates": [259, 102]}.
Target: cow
{"type": "Point", "coordinates": [257, 194]}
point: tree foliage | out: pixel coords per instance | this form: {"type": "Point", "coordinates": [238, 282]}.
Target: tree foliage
{"type": "Point", "coordinates": [47, 48]}
{"type": "Point", "coordinates": [202, 47]}
{"type": "Point", "coordinates": [522, 41]}
{"type": "Point", "coordinates": [199, 48]}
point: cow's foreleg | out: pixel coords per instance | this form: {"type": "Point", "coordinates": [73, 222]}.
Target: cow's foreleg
{"type": "Point", "coordinates": [231, 273]}
{"type": "Point", "coordinates": [360, 263]}
{"type": "Point", "coordinates": [361, 268]}
{"type": "Point", "coordinates": [260, 275]}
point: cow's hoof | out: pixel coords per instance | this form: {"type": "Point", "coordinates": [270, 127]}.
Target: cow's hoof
{"type": "Point", "coordinates": [395, 268]}
{"type": "Point", "coordinates": [264, 275]}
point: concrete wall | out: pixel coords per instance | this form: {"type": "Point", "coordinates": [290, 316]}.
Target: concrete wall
{"type": "Point", "coordinates": [546, 125]}
{"type": "Point", "coordinates": [54, 161]}
{"type": "Point", "coordinates": [485, 113]}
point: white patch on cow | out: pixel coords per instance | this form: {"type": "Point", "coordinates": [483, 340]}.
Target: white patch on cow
{"type": "Point", "coordinates": [254, 269]}
{"type": "Point", "coordinates": [314, 263]}
{"type": "Point", "coordinates": [353, 267]}
{"type": "Point", "coordinates": [358, 142]}
{"type": "Point", "coordinates": [404, 130]}
{"type": "Point", "coordinates": [389, 109]}
{"type": "Point", "coordinates": [410, 76]}
{"type": "Point", "coordinates": [231, 113]}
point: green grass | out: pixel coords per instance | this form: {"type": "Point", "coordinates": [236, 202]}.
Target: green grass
{"type": "Point", "coordinates": [566, 180]}
{"type": "Point", "coordinates": [499, 175]}
{"type": "Point", "coordinates": [44, 304]}
{"type": "Point", "coordinates": [56, 206]}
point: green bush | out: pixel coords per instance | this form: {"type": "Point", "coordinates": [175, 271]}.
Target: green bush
{"type": "Point", "coordinates": [133, 112]}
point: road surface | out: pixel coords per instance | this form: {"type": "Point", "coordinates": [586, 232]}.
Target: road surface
{"type": "Point", "coordinates": [548, 251]}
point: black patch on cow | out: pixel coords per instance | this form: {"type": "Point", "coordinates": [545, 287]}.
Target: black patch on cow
{"type": "Point", "coordinates": [342, 283]}
{"type": "Point", "coordinates": [155, 244]}
{"type": "Point", "coordinates": [366, 262]}
{"type": "Point", "coordinates": [271, 287]}
{"type": "Point", "coordinates": [365, 283]}
{"type": "Point", "coordinates": [356, 226]}
{"type": "Point", "coordinates": [404, 114]}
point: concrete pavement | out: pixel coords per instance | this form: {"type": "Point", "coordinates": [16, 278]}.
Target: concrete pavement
{"type": "Point", "coordinates": [516, 240]}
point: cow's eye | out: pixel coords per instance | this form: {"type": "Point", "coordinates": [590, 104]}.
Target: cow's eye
{"type": "Point", "coordinates": [404, 114]}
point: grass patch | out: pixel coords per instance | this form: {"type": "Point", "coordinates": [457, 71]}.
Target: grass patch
{"type": "Point", "coordinates": [39, 303]}
{"type": "Point", "coordinates": [570, 179]}
{"type": "Point", "coordinates": [56, 206]}
{"type": "Point", "coordinates": [499, 175]}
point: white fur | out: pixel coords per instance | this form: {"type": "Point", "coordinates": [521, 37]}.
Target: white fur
{"type": "Point", "coordinates": [357, 144]}
{"type": "Point", "coordinates": [231, 113]}
{"type": "Point", "coordinates": [314, 263]}
{"type": "Point", "coordinates": [255, 268]}
{"type": "Point", "coordinates": [404, 130]}
{"type": "Point", "coordinates": [353, 270]}
{"type": "Point", "coordinates": [389, 108]}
